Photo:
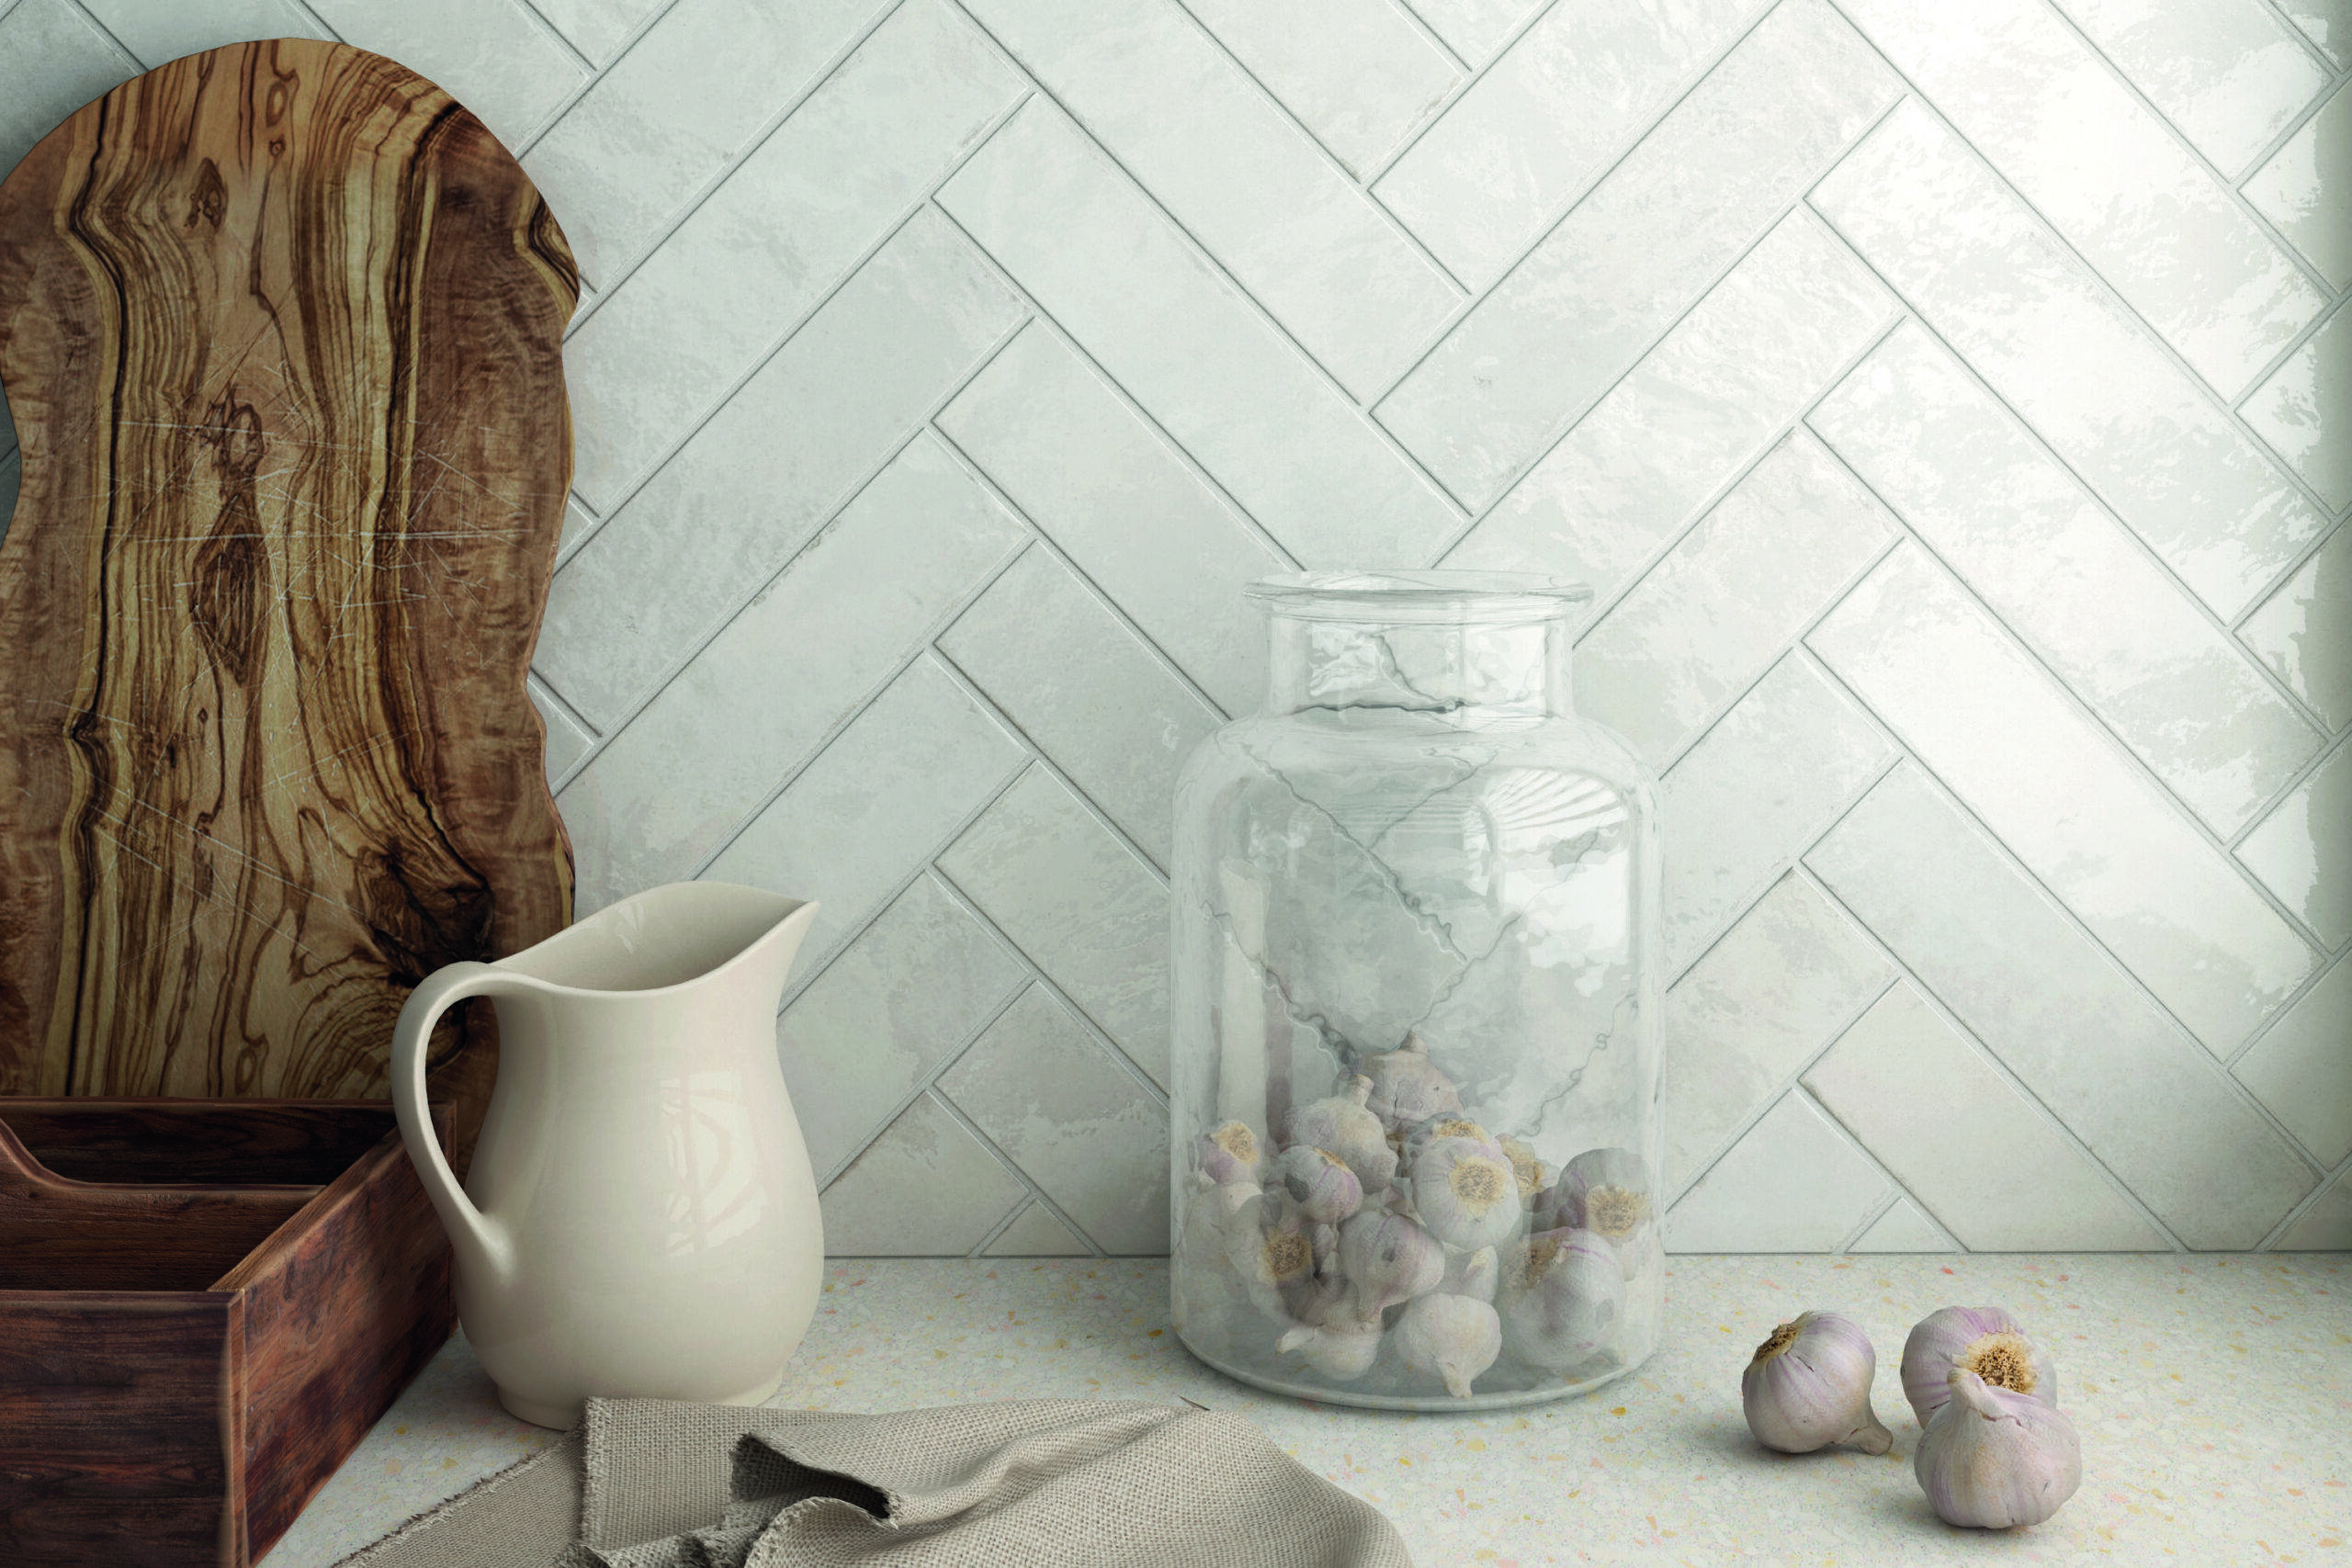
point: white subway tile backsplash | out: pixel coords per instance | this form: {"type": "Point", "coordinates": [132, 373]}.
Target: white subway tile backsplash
{"type": "Point", "coordinates": [791, 219]}
{"type": "Point", "coordinates": [1722, 603]}
{"type": "Point", "coordinates": [490, 54]}
{"type": "Point", "coordinates": [567, 742]}
{"type": "Point", "coordinates": [1905, 1227]}
{"type": "Point", "coordinates": [75, 63]}
{"type": "Point", "coordinates": [161, 31]}
{"type": "Point", "coordinates": [1173, 334]}
{"type": "Point", "coordinates": [597, 28]}
{"type": "Point", "coordinates": [1085, 691]}
{"type": "Point", "coordinates": [764, 474]}
{"type": "Point", "coordinates": [1746, 359]}
{"type": "Point", "coordinates": [2303, 1068]}
{"type": "Point", "coordinates": [2227, 74]}
{"type": "Point", "coordinates": [2036, 325]}
{"type": "Point", "coordinates": [1992, 1169]}
{"type": "Point", "coordinates": [2326, 1225]}
{"type": "Point", "coordinates": [1761, 785]}
{"type": "Point", "coordinates": [1795, 1183]}
{"type": "Point", "coordinates": [625, 161]}
{"type": "Point", "coordinates": [1764, 1000]}
{"type": "Point", "coordinates": [2303, 849]}
{"type": "Point", "coordinates": [667, 791]}
{"type": "Point", "coordinates": [1034, 1233]}
{"type": "Point", "coordinates": [2305, 411]}
{"type": "Point", "coordinates": [925, 1187]}
{"type": "Point", "coordinates": [1098, 483]}
{"type": "Point", "coordinates": [2306, 189]}
{"type": "Point", "coordinates": [1078, 902]}
{"type": "Point", "coordinates": [2017, 528]}
{"type": "Point", "coordinates": [2327, 23]}
{"type": "Point", "coordinates": [879, 1019]}
{"type": "Point", "coordinates": [2304, 630]}
{"type": "Point", "coordinates": [1616, 273]}
{"type": "Point", "coordinates": [1087, 1131]}
{"type": "Point", "coordinates": [1967, 703]}
{"type": "Point", "coordinates": [2028, 985]}
{"type": "Point", "coordinates": [913, 767]}
{"type": "Point", "coordinates": [1355, 73]}
{"type": "Point", "coordinates": [1534, 131]}
{"type": "Point", "coordinates": [1475, 28]}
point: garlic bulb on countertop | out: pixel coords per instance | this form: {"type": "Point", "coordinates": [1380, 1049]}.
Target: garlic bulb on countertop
{"type": "Point", "coordinates": [1809, 1385]}
{"type": "Point", "coordinates": [1992, 1458]}
{"type": "Point", "coordinates": [1987, 1341]}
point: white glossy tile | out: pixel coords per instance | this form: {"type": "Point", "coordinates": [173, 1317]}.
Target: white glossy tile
{"type": "Point", "coordinates": [596, 27]}
{"type": "Point", "coordinates": [1794, 1184]}
{"type": "Point", "coordinates": [1237, 174]}
{"type": "Point", "coordinates": [1035, 1234]}
{"type": "Point", "coordinates": [2303, 852]}
{"type": "Point", "coordinates": [1076, 1122]}
{"type": "Point", "coordinates": [2039, 329]}
{"type": "Point", "coordinates": [1531, 133]}
{"type": "Point", "coordinates": [918, 983]}
{"type": "Point", "coordinates": [1080, 903]}
{"type": "Point", "coordinates": [1355, 73]}
{"type": "Point", "coordinates": [1085, 691]}
{"type": "Point", "coordinates": [625, 159]}
{"type": "Point", "coordinates": [754, 483]}
{"type": "Point", "coordinates": [1707, 619]}
{"type": "Point", "coordinates": [789, 221]}
{"type": "Point", "coordinates": [2326, 1225]}
{"type": "Point", "coordinates": [2156, 1109]}
{"type": "Point", "coordinates": [2305, 411]}
{"type": "Point", "coordinates": [925, 1187]}
{"type": "Point", "coordinates": [578, 524]}
{"type": "Point", "coordinates": [1752, 1012]}
{"type": "Point", "coordinates": [911, 768]}
{"type": "Point", "coordinates": [2047, 113]}
{"type": "Point", "coordinates": [1750, 795]}
{"type": "Point", "coordinates": [567, 742]}
{"type": "Point", "coordinates": [2302, 1069]}
{"type": "Point", "coordinates": [1905, 1227]}
{"type": "Point", "coordinates": [1747, 358]}
{"type": "Point", "coordinates": [1474, 28]}
{"type": "Point", "coordinates": [1240, 398]}
{"type": "Point", "coordinates": [161, 31]}
{"type": "Point", "coordinates": [2304, 630]}
{"type": "Point", "coordinates": [1100, 484]}
{"type": "Point", "coordinates": [2067, 577]}
{"type": "Point", "coordinates": [2306, 189]}
{"type": "Point", "coordinates": [2327, 23]}
{"type": "Point", "coordinates": [1968, 704]}
{"type": "Point", "coordinates": [490, 55]}
{"type": "Point", "coordinates": [1648, 240]}
{"type": "Point", "coordinates": [2228, 73]}
{"type": "Point", "coordinates": [51, 63]}
{"type": "Point", "coordinates": [667, 790]}
{"type": "Point", "coordinates": [1904, 1083]}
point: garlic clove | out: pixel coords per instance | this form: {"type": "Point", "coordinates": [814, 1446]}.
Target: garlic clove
{"type": "Point", "coordinates": [1560, 1296]}
{"type": "Point", "coordinates": [1472, 1274]}
{"type": "Point", "coordinates": [1232, 1153]}
{"type": "Point", "coordinates": [1429, 1129]}
{"type": "Point", "coordinates": [1453, 1337]}
{"type": "Point", "coordinates": [1340, 1126]}
{"type": "Point", "coordinates": [1531, 1173]}
{"type": "Point", "coordinates": [1987, 1341]}
{"type": "Point", "coordinates": [1607, 1191]}
{"type": "Point", "coordinates": [1389, 1260]}
{"type": "Point", "coordinates": [1809, 1385]}
{"type": "Point", "coordinates": [1343, 1349]}
{"type": "Point", "coordinates": [1406, 1085]}
{"type": "Point", "coordinates": [1992, 1458]}
{"type": "Point", "coordinates": [1319, 1182]}
{"type": "Point", "coordinates": [1466, 1193]}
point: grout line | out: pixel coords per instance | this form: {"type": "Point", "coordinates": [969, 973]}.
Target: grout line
{"type": "Point", "coordinates": [1036, 1193]}
{"type": "Point", "coordinates": [1126, 398]}
{"type": "Point", "coordinates": [1900, 1190]}
{"type": "Point", "coordinates": [1472, 76]}
{"type": "Point", "coordinates": [2278, 1019]}
{"type": "Point", "coordinates": [1846, 1247]}
{"type": "Point", "coordinates": [980, 1247]}
{"type": "Point", "coordinates": [567, 549]}
{"type": "Point", "coordinates": [2329, 746]}
{"type": "Point", "coordinates": [1251, 305]}
{"type": "Point", "coordinates": [2311, 45]}
{"type": "Point", "coordinates": [587, 67]}
{"type": "Point", "coordinates": [637, 34]}
{"type": "Point", "coordinates": [2000, 1068]}
{"type": "Point", "coordinates": [1428, 35]}
{"type": "Point", "coordinates": [138, 66]}
{"type": "Point", "coordinates": [2269, 371]}
{"type": "Point", "coordinates": [2329, 1181]}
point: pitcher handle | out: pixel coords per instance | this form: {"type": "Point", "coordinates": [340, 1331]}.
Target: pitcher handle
{"type": "Point", "coordinates": [468, 1227]}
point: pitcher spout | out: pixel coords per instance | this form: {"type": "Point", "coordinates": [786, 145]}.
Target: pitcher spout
{"type": "Point", "coordinates": [681, 934]}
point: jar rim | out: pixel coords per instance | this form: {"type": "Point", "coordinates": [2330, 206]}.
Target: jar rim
{"type": "Point", "coordinates": [1461, 598]}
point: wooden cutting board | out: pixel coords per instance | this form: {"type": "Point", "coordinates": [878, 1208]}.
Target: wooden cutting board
{"type": "Point", "coordinates": [281, 328]}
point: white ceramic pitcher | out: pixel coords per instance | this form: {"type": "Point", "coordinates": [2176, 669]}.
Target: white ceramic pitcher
{"type": "Point", "coordinates": [641, 1217]}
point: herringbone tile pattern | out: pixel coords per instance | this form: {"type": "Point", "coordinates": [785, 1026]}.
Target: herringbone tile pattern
{"type": "Point", "coordinates": [1951, 405]}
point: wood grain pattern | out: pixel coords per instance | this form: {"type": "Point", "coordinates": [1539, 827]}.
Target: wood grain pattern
{"type": "Point", "coordinates": [306, 1142]}
{"type": "Point", "coordinates": [280, 325]}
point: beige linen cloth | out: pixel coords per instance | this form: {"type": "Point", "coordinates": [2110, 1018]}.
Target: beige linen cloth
{"type": "Point", "coordinates": [1026, 1484]}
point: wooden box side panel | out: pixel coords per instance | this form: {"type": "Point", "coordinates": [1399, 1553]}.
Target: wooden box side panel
{"type": "Point", "coordinates": [341, 1308]}
{"type": "Point", "coordinates": [117, 1415]}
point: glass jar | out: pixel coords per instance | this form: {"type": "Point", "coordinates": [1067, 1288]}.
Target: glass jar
{"type": "Point", "coordinates": [1417, 1001]}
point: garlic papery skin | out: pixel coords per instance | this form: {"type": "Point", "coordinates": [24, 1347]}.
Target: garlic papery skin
{"type": "Point", "coordinates": [1991, 1459]}
{"type": "Point", "coordinates": [1340, 1126]}
{"type": "Point", "coordinates": [1408, 1088]}
{"type": "Point", "coordinates": [1560, 1297]}
{"type": "Point", "coordinates": [1319, 1182]}
{"type": "Point", "coordinates": [1987, 1341]}
{"type": "Point", "coordinates": [1232, 1154]}
{"type": "Point", "coordinates": [1341, 1349]}
{"type": "Point", "coordinates": [1465, 1193]}
{"type": "Point", "coordinates": [1453, 1337]}
{"type": "Point", "coordinates": [1809, 1385]}
{"type": "Point", "coordinates": [1389, 1260]}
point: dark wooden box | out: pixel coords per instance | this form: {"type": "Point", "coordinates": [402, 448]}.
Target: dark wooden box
{"type": "Point", "coordinates": [204, 1305]}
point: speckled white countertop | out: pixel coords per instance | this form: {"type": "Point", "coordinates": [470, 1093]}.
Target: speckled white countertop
{"type": "Point", "coordinates": [2213, 1395]}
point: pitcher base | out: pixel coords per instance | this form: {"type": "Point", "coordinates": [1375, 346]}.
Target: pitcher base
{"type": "Point", "coordinates": [563, 1417]}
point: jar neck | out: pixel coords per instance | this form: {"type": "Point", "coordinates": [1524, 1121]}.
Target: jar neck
{"type": "Point", "coordinates": [1471, 672]}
